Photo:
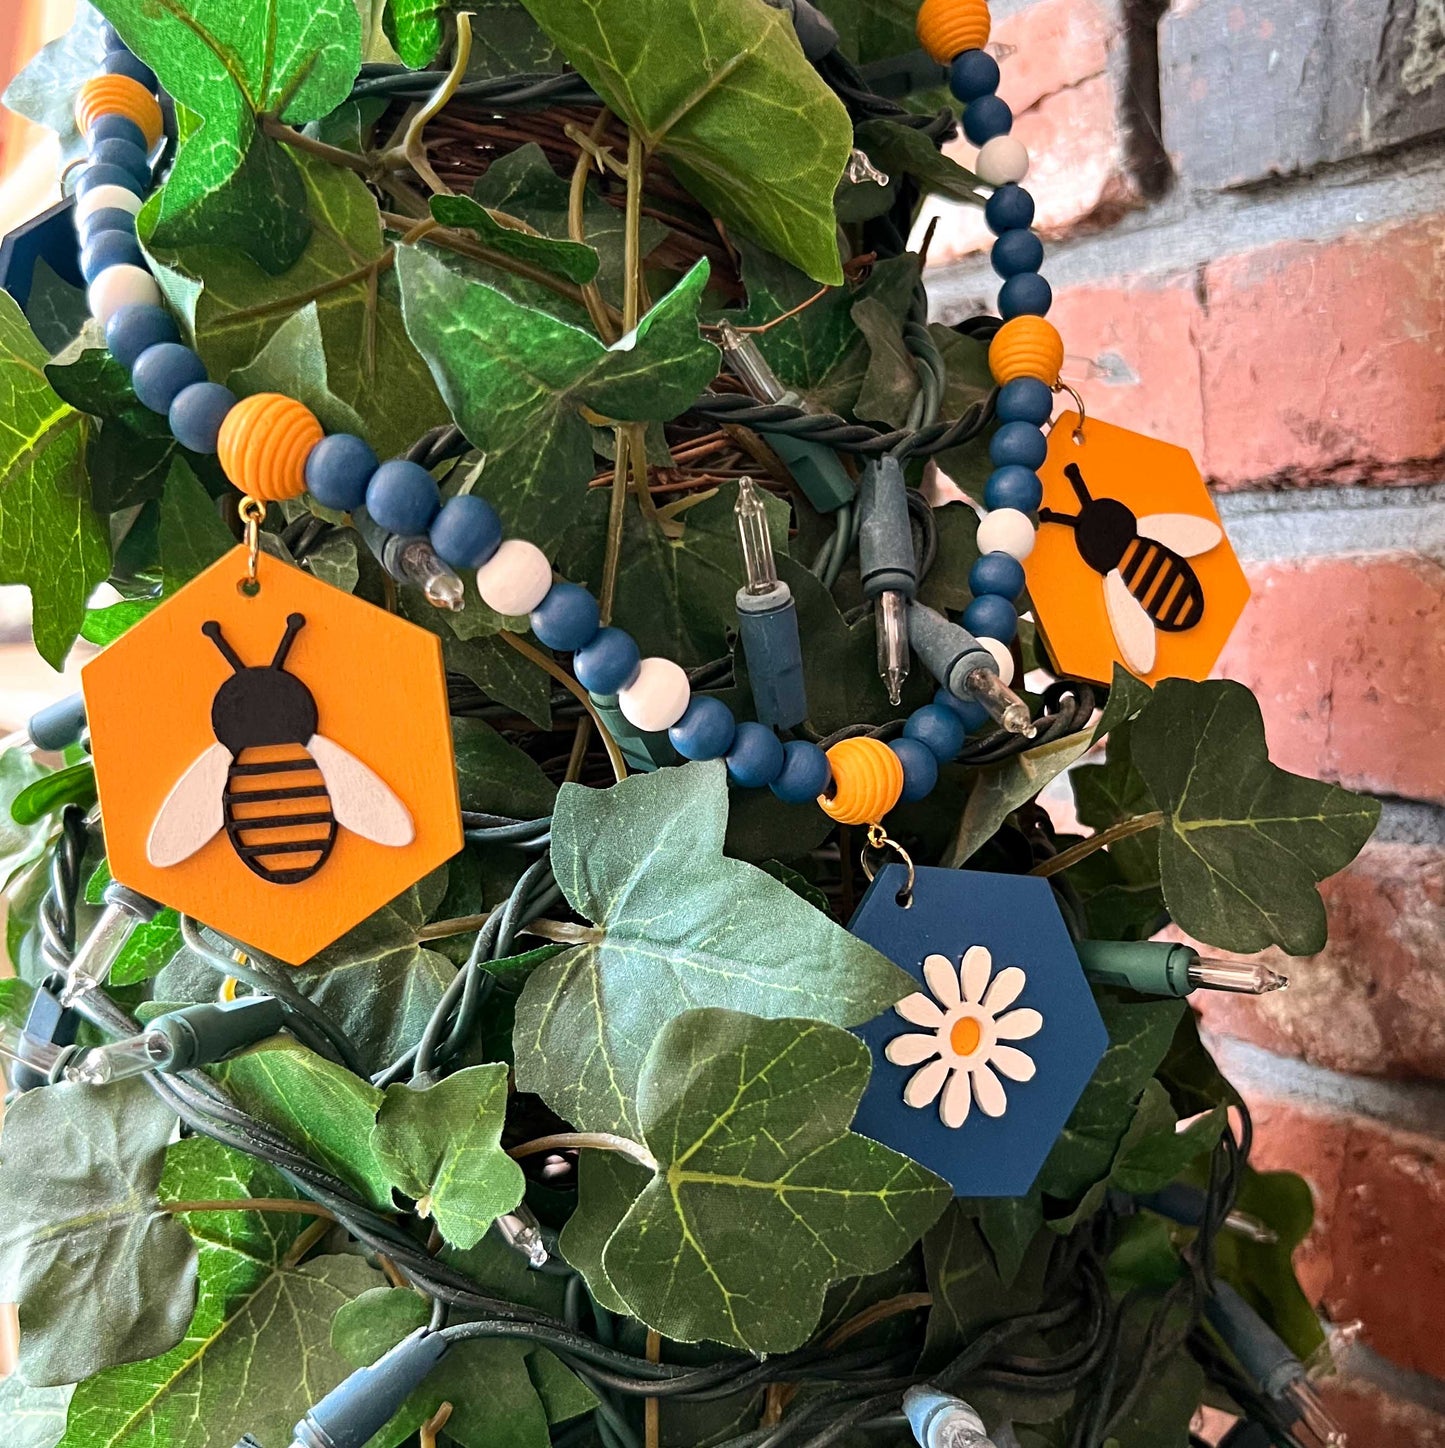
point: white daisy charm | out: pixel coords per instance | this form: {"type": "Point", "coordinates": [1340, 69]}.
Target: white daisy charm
{"type": "Point", "coordinates": [963, 1048]}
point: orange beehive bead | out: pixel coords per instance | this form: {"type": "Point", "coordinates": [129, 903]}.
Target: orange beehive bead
{"type": "Point", "coordinates": [118, 95]}
{"type": "Point", "coordinates": [264, 443]}
{"type": "Point", "coordinates": [867, 780]}
{"type": "Point", "coordinates": [949, 27]}
{"type": "Point", "coordinates": [1026, 347]}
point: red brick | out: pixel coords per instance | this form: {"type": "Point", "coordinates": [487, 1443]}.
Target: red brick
{"type": "Point", "coordinates": [1347, 658]}
{"type": "Point", "coordinates": [1325, 362]}
{"type": "Point", "coordinates": [1373, 1001]}
{"type": "Point", "coordinates": [1373, 1419]}
{"type": "Point", "coordinates": [1050, 45]}
{"type": "Point", "coordinates": [1376, 1253]}
{"type": "Point", "coordinates": [1129, 349]}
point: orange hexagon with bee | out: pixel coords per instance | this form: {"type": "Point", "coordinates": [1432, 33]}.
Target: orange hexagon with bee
{"type": "Point", "coordinates": [278, 764]}
{"type": "Point", "coordinates": [1131, 565]}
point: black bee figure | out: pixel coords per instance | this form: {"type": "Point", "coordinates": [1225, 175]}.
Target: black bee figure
{"type": "Point", "coordinates": [1147, 583]}
{"type": "Point", "coordinates": [278, 788]}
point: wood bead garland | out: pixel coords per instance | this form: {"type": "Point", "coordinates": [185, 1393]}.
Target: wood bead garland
{"type": "Point", "coordinates": [1026, 347]}
{"type": "Point", "coordinates": [948, 27]}
{"type": "Point", "coordinates": [657, 697]}
{"type": "Point", "coordinates": [264, 443]}
{"type": "Point", "coordinates": [119, 95]}
{"type": "Point", "coordinates": [867, 780]}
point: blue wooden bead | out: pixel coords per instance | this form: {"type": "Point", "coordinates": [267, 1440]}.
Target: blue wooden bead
{"type": "Point", "coordinates": [986, 118]}
{"type": "Point", "coordinates": [109, 248]}
{"type": "Point", "coordinates": [939, 729]}
{"type": "Point", "coordinates": [805, 773]}
{"type": "Point", "coordinates": [608, 663]}
{"type": "Point", "coordinates": [1025, 295]}
{"type": "Point", "coordinates": [338, 469]}
{"type": "Point", "coordinates": [110, 38]}
{"type": "Point", "coordinates": [1009, 208]}
{"type": "Point", "coordinates": [974, 73]}
{"type": "Point", "coordinates": [122, 62]}
{"type": "Point", "coordinates": [566, 620]}
{"type": "Point", "coordinates": [1015, 252]}
{"type": "Point", "coordinates": [999, 573]}
{"type": "Point", "coordinates": [131, 330]}
{"type": "Point", "coordinates": [161, 372]}
{"type": "Point", "coordinates": [125, 154]}
{"type": "Point", "coordinates": [1018, 442]}
{"type": "Point", "coordinates": [706, 731]}
{"type": "Point", "coordinates": [467, 532]}
{"type": "Point", "coordinates": [104, 175]}
{"type": "Point", "coordinates": [972, 714]}
{"type": "Point", "coordinates": [1025, 399]}
{"type": "Point", "coordinates": [1013, 487]}
{"type": "Point", "coordinates": [115, 128]}
{"type": "Point", "coordinates": [402, 497]}
{"type": "Point", "coordinates": [990, 616]}
{"type": "Point", "coordinates": [756, 756]}
{"type": "Point", "coordinates": [920, 768]}
{"type": "Point", "coordinates": [108, 218]}
{"type": "Point", "coordinates": [197, 414]}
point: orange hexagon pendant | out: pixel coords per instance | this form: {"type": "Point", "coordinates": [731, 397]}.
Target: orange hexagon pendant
{"type": "Point", "coordinates": [276, 763]}
{"type": "Point", "coordinates": [1131, 565]}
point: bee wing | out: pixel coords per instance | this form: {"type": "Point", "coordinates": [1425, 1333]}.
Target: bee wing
{"type": "Point", "coordinates": [1133, 628]}
{"type": "Point", "coordinates": [194, 811]}
{"type": "Point", "coordinates": [359, 799]}
{"type": "Point", "coordinates": [1183, 532]}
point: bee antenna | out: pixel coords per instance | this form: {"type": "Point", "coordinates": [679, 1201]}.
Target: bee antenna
{"type": "Point", "coordinates": [1081, 488]}
{"type": "Point", "coordinates": [212, 631]}
{"type": "Point", "coordinates": [1047, 515]}
{"type": "Point", "coordinates": [295, 622]}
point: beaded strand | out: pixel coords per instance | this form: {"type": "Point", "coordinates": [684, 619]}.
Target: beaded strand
{"type": "Point", "coordinates": [273, 448]}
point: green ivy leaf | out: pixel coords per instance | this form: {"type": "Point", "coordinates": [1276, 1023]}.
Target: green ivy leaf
{"type": "Point", "coordinates": [48, 795]}
{"type": "Point", "coordinates": [569, 259]}
{"type": "Point", "coordinates": [20, 844]}
{"type": "Point", "coordinates": [104, 626]}
{"type": "Point", "coordinates": [1109, 793]}
{"type": "Point", "coordinates": [898, 149]}
{"type": "Point", "coordinates": [1244, 843]}
{"type": "Point", "coordinates": [495, 776]}
{"type": "Point", "coordinates": [1128, 697]}
{"type": "Point", "coordinates": [321, 1108]}
{"type": "Point", "coordinates": [150, 946]}
{"type": "Point", "coordinates": [56, 310]}
{"type": "Point", "coordinates": [762, 1196]}
{"type": "Point", "coordinates": [50, 537]}
{"type": "Point", "coordinates": [946, 587]}
{"type": "Point", "coordinates": [1009, 1225]}
{"type": "Point", "coordinates": [192, 535]}
{"type": "Point", "coordinates": [1154, 1151]}
{"type": "Point", "coordinates": [442, 1147]}
{"type": "Point", "coordinates": [744, 120]}
{"type": "Point", "coordinates": [607, 1186]}
{"type": "Point", "coordinates": [293, 363]}
{"type": "Point", "coordinates": [891, 382]}
{"type": "Point", "coordinates": [45, 90]}
{"type": "Point", "coordinates": [414, 27]}
{"type": "Point", "coordinates": [491, 1385]}
{"type": "Point", "coordinates": [381, 982]}
{"type": "Point", "coordinates": [33, 1417]}
{"type": "Point", "coordinates": [232, 307]}
{"type": "Point", "coordinates": [227, 65]}
{"type": "Point", "coordinates": [101, 1273]}
{"type": "Point", "coordinates": [515, 378]}
{"type": "Point", "coordinates": [1152, 1333]}
{"type": "Point", "coordinates": [677, 925]}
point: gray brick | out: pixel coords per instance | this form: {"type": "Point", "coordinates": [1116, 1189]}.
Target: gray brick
{"type": "Point", "coordinates": [1273, 87]}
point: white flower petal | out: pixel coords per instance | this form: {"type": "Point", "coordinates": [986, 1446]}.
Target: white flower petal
{"type": "Point", "coordinates": [954, 1103]}
{"type": "Point", "coordinates": [920, 1010]}
{"type": "Point", "coordinates": [910, 1050]}
{"type": "Point", "coordinates": [988, 1091]}
{"type": "Point", "coordinates": [1016, 1065]}
{"type": "Point", "coordinates": [1018, 1025]}
{"type": "Point", "coordinates": [926, 1083]}
{"type": "Point", "coordinates": [1007, 986]}
{"type": "Point", "coordinates": [942, 979]}
{"type": "Point", "coordinates": [975, 971]}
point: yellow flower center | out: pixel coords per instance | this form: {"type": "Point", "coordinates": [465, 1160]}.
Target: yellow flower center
{"type": "Point", "coordinates": [965, 1036]}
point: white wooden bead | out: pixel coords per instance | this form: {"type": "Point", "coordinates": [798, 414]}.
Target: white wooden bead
{"type": "Point", "coordinates": [657, 698]}
{"type": "Point", "coordinates": [515, 579]}
{"type": "Point", "coordinates": [1001, 160]}
{"type": "Point", "coordinates": [102, 197]}
{"type": "Point", "coordinates": [1003, 655]}
{"type": "Point", "coordinates": [121, 286]}
{"type": "Point", "coordinates": [1006, 530]}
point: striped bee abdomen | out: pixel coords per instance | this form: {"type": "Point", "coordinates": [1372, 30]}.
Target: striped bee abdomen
{"type": "Point", "coordinates": [1164, 585]}
{"type": "Point", "coordinates": [278, 813]}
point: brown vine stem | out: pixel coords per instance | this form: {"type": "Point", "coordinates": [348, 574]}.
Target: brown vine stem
{"type": "Point", "coordinates": [651, 1415]}
{"type": "Point", "coordinates": [251, 1204]}
{"type": "Point", "coordinates": [584, 1141]}
{"type": "Point", "coordinates": [427, 1433]}
{"type": "Point", "coordinates": [1121, 831]}
{"type": "Point", "coordinates": [612, 555]}
{"type": "Point", "coordinates": [614, 754]}
{"type": "Point", "coordinates": [597, 308]}
{"type": "Point", "coordinates": [412, 150]}
{"type": "Point", "coordinates": [278, 130]}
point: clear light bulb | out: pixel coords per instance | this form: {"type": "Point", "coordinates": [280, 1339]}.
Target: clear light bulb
{"type": "Point", "coordinates": [522, 1233]}
{"type": "Point", "coordinates": [891, 627]}
{"type": "Point", "coordinates": [746, 362]}
{"type": "Point", "coordinates": [1004, 707]}
{"type": "Point", "coordinates": [418, 561]}
{"type": "Point", "coordinates": [16, 1048]}
{"type": "Point", "coordinates": [860, 168]}
{"type": "Point", "coordinates": [757, 543]}
{"type": "Point", "coordinates": [1304, 1398]}
{"type": "Point", "coordinates": [939, 1420]}
{"type": "Point", "coordinates": [1243, 977]}
{"type": "Point", "coordinates": [118, 1060]}
{"type": "Point", "coordinates": [124, 910]}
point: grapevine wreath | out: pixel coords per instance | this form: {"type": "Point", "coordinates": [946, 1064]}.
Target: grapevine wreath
{"type": "Point", "coordinates": [539, 928]}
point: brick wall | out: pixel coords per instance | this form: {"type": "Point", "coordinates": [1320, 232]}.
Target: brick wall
{"type": "Point", "coordinates": [1244, 207]}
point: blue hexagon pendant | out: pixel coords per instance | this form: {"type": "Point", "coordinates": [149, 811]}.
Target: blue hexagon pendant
{"type": "Point", "coordinates": [976, 1073]}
